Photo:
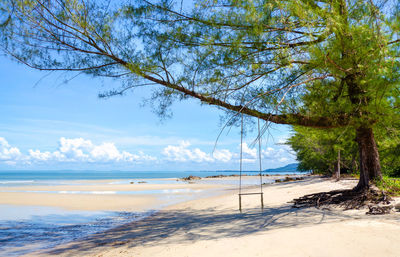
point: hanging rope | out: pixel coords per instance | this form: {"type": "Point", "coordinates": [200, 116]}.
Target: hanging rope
{"type": "Point", "coordinates": [241, 166]}
{"type": "Point", "coordinates": [259, 154]}
{"type": "Point", "coordinates": [241, 157]}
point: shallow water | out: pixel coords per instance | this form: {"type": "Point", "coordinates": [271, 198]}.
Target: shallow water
{"type": "Point", "coordinates": [24, 229]}
{"type": "Point", "coordinates": [28, 178]}
{"type": "Point", "coordinates": [138, 192]}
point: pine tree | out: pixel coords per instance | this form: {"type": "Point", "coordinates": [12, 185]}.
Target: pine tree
{"type": "Point", "coordinates": [319, 64]}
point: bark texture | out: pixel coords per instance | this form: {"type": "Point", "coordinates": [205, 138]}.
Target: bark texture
{"type": "Point", "coordinates": [370, 167]}
{"type": "Point", "coordinates": [338, 167]}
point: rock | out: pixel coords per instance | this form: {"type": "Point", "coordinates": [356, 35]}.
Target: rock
{"type": "Point", "coordinates": [288, 179]}
{"type": "Point", "coordinates": [191, 178]}
{"type": "Point", "coordinates": [216, 176]}
{"type": "Point", "coordinates": [132, 182]}
{"type": "Point", "coordinates": [142, 182]}
{"type": "Point", "coordinates": [397, 207]}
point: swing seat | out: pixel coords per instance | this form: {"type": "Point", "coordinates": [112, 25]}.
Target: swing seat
{"type": "Point", "coordinates": [241, 164]}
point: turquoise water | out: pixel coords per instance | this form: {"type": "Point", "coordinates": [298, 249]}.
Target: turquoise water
{"type": "Point", "coordinates": [24, 229]}
{"type": "Point", "coordinates": [141, 192]}
{"type": "Point", "coordinates": [21, 178]}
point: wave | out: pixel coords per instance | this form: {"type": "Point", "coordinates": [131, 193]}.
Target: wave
{"type": "Point", "coordinates": [139, 192]}
{"type": "Point", "coordinates": [16, 181]}
{"type": "Point", "coordinates": [88, 192]}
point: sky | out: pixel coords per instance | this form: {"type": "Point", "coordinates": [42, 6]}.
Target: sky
{"type": "Point", "coordinates": [47, 124]}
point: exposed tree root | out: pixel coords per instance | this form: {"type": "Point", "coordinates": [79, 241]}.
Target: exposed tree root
{"type": "Point", "coordinates": [347, 199]}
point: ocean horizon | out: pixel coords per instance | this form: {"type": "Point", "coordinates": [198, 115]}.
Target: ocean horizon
{"type": "Point", "coordinates": [7, 176]}
{"type": "Point", "coordinates": [48, 226]}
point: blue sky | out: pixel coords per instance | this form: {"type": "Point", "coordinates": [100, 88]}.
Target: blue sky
{"type": "Point", "coordinates": [47, 124]}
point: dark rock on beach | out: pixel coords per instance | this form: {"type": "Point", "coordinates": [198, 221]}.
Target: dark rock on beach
{"type": "Point", "coordinates": [288, 179]}
{"type": "Point", "coordinates": [223, 176]}
{"type": "Point", "coordinates": [190, 178]}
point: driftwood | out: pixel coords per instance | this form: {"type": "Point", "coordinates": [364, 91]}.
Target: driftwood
{"type": "Point", "coordinates": [379, 210]}
{"type": "Point", "coordinates": [347, 199]}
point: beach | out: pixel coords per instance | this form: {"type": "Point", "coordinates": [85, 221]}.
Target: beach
{"type": "Point", "coordinates": [211, 225]}
{"type": "Point", "coordinates": [41, 211]}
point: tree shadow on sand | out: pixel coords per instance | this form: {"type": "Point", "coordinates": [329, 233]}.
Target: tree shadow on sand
{"type": "Point", "coordinates": [190, 225]}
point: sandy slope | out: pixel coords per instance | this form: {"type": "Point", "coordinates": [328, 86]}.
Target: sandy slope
{"type": "Point", "coordinates": [214, 227]}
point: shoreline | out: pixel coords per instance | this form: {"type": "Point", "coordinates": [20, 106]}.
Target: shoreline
{"type": "Point", "coordinates": [121, 195]}
{"type": "Point", "coordinates": [213, 226]}
{"type": "Point", "coordinates": [48, 208]}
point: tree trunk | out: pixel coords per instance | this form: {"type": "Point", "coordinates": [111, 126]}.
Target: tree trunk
{"type": "Point", "coordinates": [354, 165]}
{"type": "Point", "coordinates": [370, 167]}
{"type": "Point", "coordinates": [338, 167]}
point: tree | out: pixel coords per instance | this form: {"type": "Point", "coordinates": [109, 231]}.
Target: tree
{"type": "Point", "coordinates": [320, 64]}
{"type": "Point", "coordinates": [318, 150]}
{"type": "Point", "coordinates": [389, 145]}
{"type": "Point", "coordinates": [5, 15]}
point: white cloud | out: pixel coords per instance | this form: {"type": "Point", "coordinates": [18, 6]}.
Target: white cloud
{"type": "Point", "coordinates": [184, 153]}
{"type": "Point", "coordinates": [281, 155]}
{"type": "Point", "coordinates": [142, 157]}
{"type": "Point", "coordinates": [40, 156]}
{"type": "Point", "coordinates": [108, 152]}
{"type": "Point", "coordinates": [81, 150]}
{"type": "Point", "coordinates": [249, 153]}
{"type": "Point", "coordinates": [181, 153]}
{"type": "Point", "coordinates": [76, 149]}
{"type": "Point", "coordinates": [223, 155]}
{"type": "Point", "coordinates": [9, 154]}
{"type": "Point", "coordinates": [283, 159]}
{"type": "Point", "coordinates": [268, 152]}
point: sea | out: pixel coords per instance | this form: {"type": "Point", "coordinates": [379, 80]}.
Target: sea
{"type": "Point", "coordinates": [25, 229]}
{"type": "Point", "coordinates": [27, 176]}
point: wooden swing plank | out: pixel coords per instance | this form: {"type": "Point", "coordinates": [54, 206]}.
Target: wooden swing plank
{"type": "Point", "coordinates": [251, 193]}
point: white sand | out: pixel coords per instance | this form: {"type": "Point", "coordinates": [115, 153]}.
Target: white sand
{"type": "Point", "coordinates": [94, 196]}
{"type": "Point", "coordinates": [214, 227]}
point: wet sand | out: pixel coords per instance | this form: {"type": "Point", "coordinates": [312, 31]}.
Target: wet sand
{"type": "Point", "coordinates": [213, 226]}
{"type": "Point", "coordinates": [110, 195]}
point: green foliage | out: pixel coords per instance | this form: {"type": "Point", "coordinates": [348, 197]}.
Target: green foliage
{"type": "Point", "coordinates": [317, 150]}
{"type": "Point", "coordinates": [318, 64]}
{"type": "Point", "coordinates": [389, 185]}
{"type": "Point", "coordinates": [389, 149]}
{"type": "Point", "coordinates": [295, 56]}
{"type": "Point", "coordinates": [5, 15]}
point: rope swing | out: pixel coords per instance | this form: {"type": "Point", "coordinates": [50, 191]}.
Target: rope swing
{"type": "Point", "coordinates": [241, 167]}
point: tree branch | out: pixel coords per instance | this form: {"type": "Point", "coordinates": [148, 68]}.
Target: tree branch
{"type": "Point", "coordinates": [290, 119]}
